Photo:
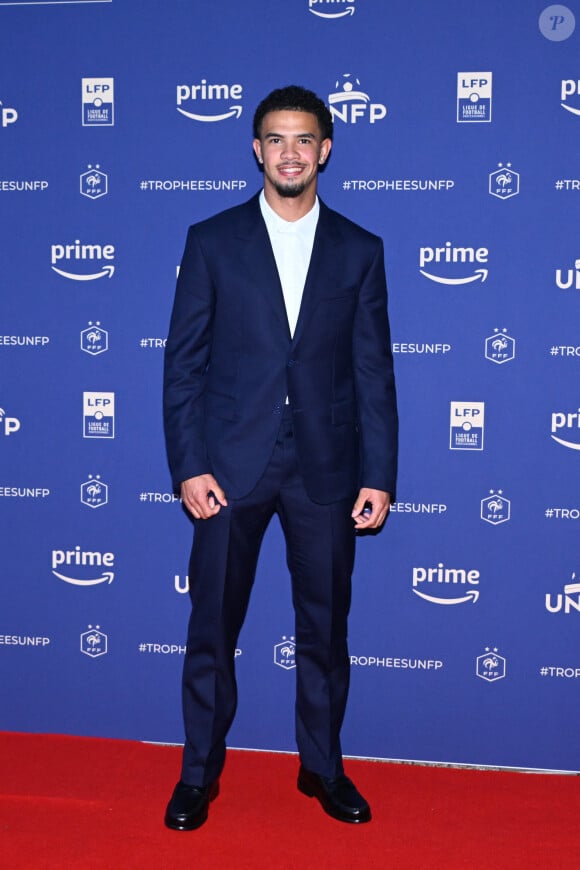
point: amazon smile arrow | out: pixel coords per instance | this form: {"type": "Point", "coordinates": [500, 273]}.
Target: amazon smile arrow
{"type": "Point", "coordinates": [479, 274]}
{"type": "Point", "coordinates": [107, 270]}
{"type": "Point", "coordinates": [234, 110]}
{"type": "Point", "coordinates": [472, 595]}
{"type": "Point", "coordinates": [108, 577]}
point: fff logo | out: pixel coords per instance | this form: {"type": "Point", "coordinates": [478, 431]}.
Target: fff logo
{"type": "Point", "coordinates": [94, 340]}
{"type": "Point", "coordinates": [94, 643]}
{"type": "Point", "coordinates": [94, 183]}
{"type": "Point", "coordinates": [285, 653]}
{"type": "Point", "coordinates": [94, 492]}
{"type": "Point", "coordinates": [500, 347]}
{"type": "Point", "coordinates": [504, 182]}
{"type": "Point", "coordinates": [495, 509]}
{"type": "Point", "coordinates": [490, 666]}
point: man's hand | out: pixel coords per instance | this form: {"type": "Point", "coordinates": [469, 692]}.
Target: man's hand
{"type": "Point", "coordinates": [203, 496]}
{"type": "Point", "coordinates": [371, 508]}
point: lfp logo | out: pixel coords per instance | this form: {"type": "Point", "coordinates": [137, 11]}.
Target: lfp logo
{"type": "Point", "coordinates": [98, 102]}
{"type": "Point", "coordinates": [473, 97]}
{"type": "Point", "coordinates": [205, 99]}
{"type": "Point", "coordinates": [79, 253]}
{"type": "Point", "coordinates": [566, 424]}
{"type": "Point", "coordinates": [467, 425]}
{"type": "Point", "coordinates": [98, 415]}
{"type": "Point", "coordinates": [349, 103]}
{"type": "Point", "coordinates": [331, 8]}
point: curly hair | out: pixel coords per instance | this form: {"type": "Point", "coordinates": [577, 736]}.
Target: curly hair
{"type": "Point", "coordinates": [294, 98]}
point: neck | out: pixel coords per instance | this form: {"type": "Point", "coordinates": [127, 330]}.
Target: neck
{"type": "Point", "coordinates": [290, 208]}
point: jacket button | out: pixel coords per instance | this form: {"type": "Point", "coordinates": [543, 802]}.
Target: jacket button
{"type": "Point", "coordinates": [277, 409]}
{"type": "Point", "coordinates": [291, 362]}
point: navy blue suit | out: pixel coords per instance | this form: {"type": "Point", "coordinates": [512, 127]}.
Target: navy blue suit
{"type": "Point", "coordinates": [230, 363]}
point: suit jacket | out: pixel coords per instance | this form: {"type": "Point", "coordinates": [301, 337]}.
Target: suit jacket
{"type": "Point", "coordinates": [230, 361]}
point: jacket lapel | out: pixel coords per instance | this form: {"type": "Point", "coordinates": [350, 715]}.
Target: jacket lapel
{"type": "Point", "coordinates": [257, 260]}
{"type": "Point", "coordinates": [324, 252]}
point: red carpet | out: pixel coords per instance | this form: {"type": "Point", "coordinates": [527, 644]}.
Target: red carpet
{"type": "Point", "coordinates": [71, 802]}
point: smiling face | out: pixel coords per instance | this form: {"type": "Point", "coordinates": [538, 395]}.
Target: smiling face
{"type": "Point", "coordinates": [291, 149]}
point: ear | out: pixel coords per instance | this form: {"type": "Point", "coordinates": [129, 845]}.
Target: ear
{"type": "Point", "coordinates": [325, 147]}
{"type": "Point", "coordinates": [257, 146]}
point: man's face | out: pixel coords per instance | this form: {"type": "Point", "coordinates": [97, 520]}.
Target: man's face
{"type": "Point", "coordinates": [291, 148]}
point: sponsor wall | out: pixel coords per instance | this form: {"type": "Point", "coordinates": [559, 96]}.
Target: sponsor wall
{"type": "Point", "coordinates": [456, 140]}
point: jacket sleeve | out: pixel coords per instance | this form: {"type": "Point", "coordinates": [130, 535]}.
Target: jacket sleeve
{"type": "Point", "coordinates": [186, 360]}
{"type": "Point", "coordinates": [375, 381]}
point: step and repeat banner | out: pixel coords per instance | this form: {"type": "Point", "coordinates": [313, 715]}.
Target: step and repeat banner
{"type": "Point", "coordinates": [457, 135]}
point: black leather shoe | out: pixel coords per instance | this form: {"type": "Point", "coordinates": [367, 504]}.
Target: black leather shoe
{"type": "Point", "coordinates": [337, 795]}
{"type": "Point", "coordinates": [189, 804]}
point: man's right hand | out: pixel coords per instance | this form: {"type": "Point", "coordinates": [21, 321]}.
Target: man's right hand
{"type": "Point", "coordinates": [203, 496]}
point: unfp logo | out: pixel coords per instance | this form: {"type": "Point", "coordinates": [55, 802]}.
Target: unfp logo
{"type": "Point", "coordinates": [206, 102]}
{"type": "Point", "coordinates": [349, 103]}
{"type": "Point", "coordinates": [98, 415]}
{"type": "Point", "coordinates": [8, 116]}
{"type": "Point", "coordinates": [569, 424]}
{"type": "Point", "coordinates": [473, 97]}
{"type": "Point", "coordinates": [450, 255]}
{"type": "Point", "coordinates": [78, 252]}
{"type": "Point", "coordinates": [568, 600]}
{"type": "Point", "coordinates": [467, 425]}
{"type": "Point", "coordinates": [8, 425]}
{"type": "Point", "coordinates": [569, 279]}
{"type": "Point", "coordinates": [98, 102]}
{"type": "Point", "coordinates": [331, 8]}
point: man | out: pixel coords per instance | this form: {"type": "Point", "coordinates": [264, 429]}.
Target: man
{"type": "Point", "coordinates": [279, 398]}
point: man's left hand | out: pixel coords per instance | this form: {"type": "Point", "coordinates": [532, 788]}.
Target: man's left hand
{"type": "Point", "coordinates": [371, 508]}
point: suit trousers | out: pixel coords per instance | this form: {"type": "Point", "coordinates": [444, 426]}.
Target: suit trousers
{"type": "Point", "coordinates": [320, 544]}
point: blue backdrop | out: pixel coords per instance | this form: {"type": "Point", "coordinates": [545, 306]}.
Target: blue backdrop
{"type": "Point", "coordinates": [457, 132]}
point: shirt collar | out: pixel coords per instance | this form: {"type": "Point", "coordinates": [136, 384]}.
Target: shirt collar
{"type": "Point", "coordinates": [303, 226]}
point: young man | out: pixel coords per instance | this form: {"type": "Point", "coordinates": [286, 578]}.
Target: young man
{"type": "Point", "coordinates": [279, 398]}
